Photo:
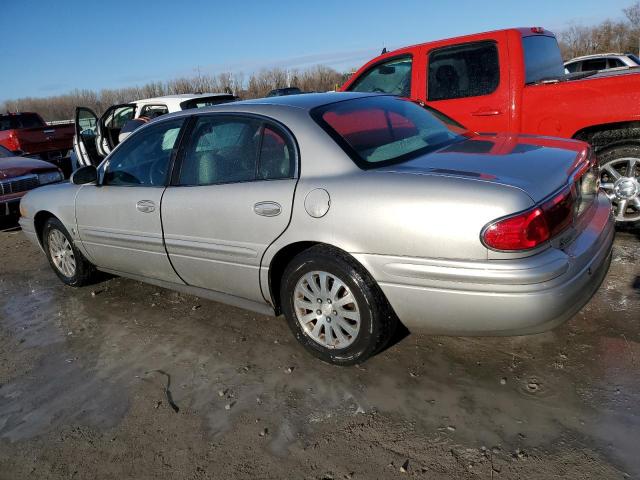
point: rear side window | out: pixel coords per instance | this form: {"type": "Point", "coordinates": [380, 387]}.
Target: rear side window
{"type": "Point", "coordinates": [393, 77]}
{"type": "Point", "coordinates": [153, 111]}
{"type": "Point", "coordinates": [468, 70]}
{"type": "Point", "coordinates": [224, 149]}
{"type": "Point", "coordinates": [542, 59]}
{"type": "Point", "coordinates": [615, 63]}
{"type": "Point", "coordinates": [572, 67]}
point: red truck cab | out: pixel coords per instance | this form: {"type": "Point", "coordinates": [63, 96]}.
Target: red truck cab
{"type": "Point", "coordinates": [26, 133]}
{"type": "Point", "coordinates": [513, 81]}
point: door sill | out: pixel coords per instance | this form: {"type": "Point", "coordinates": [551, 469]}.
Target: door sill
{"type": "Point", "coordinates": [226, 298]}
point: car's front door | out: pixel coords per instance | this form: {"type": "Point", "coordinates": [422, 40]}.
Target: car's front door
{"type": "Point", "coordinates": [119, 220]}
{"type": "Point", "coordinates": [110, 124]}
{"type": "Point", "coordinates": [230, 198]}
{"type": "Point", "coordinates": [84, 140]}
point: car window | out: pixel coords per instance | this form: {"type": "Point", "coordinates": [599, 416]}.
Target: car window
{"type": "Point", "coordinates": [153, 111]}
{"type": "Point", "coordinates": [572, 67]}
{"type": "Point", "coordinates": [4, 152]}
{"type": "Point", "coordinates": [221, 149]}
{"type": "Point", "coordinates": [380, 130]}
{"type": "Point", "coordinates": [143, 160]}
{"type": "Point", "coordinates": [119, 116]}
{"type": "Point", "coordinates": [468, 70]}
{"type": "Point", "coordinates": [594, 64]}
{"type": "Point", "coordinates": [542, 58]}
{"type": "Point", "coordinates": [393, 77]}
{"type": "Point", "coordinates": [277, 156]}
{"type": "Point", "coordinates": [615, 63]}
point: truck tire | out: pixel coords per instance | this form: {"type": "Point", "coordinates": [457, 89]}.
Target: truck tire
{"type": "Point", "coordinates": [620, 179]}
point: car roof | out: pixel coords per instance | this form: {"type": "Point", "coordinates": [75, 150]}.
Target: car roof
{"type": "Point", "coordinates": [595, 55]}
{"type": "Point", "coordinates": [181, 97]}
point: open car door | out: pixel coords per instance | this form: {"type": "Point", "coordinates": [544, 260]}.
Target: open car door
{"type": "Point", "coordinates": [110, 124]}
{"type": "Point", "coordinates": [85, 138]}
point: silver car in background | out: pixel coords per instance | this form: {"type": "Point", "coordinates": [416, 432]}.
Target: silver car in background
{"type": "Point", "coordinates": [346, 212]}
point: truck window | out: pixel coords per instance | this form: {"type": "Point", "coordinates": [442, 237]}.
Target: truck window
{"type": "Point", "coordinates": [468, 70]}
{"type": "Point", "coordinates": [20, 120]}
{"type": "Point", "coordinates": [542, 58]}
{"type": "Point", "coordinates": [393, 77]}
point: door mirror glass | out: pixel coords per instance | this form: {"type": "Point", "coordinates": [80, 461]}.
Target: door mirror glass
{"type": "Point", "coordinates": [85, 175]}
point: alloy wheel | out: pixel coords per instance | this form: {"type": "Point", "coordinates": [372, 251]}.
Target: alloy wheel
{"type": "Point", "coordinates": [620, 179]}
{"type": "Point", "coordinates": [326, 309]}
{"type": "Point", "coordinates": [62, 253]}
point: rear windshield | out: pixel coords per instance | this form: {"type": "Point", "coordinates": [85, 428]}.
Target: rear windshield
{"type": "Point", "coordinates": [21, 120]}
{"type": "Point", "coordinates": [381, 130]}
{"type": "Point", "coordinates": [207, 101]}
{"type": "Point", "coordinates": [542, 58]}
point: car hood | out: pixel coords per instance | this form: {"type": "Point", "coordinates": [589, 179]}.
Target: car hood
{"type": "Point", "coordinates": [537, 165]}
{"type": "Point", "coordinates": [17, 166]}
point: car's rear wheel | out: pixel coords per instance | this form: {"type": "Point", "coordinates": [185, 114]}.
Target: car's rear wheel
{"type": "Point", "coordinates": [620, 179]}
{"type": "Point", "coordinates": [65, 259]}
{"type": "Point", "coordinates": [334, 308]}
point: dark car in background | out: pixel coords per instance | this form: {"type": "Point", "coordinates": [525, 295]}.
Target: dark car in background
{"type": "Point", "coordinates": [18, 175]}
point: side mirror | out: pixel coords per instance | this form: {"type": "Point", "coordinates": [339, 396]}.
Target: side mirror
{"type": "Point", "coordinates": [84, 175]}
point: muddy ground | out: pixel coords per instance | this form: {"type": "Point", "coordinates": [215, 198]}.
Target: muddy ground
{"type": "Point", "coordinates": [84, 374]}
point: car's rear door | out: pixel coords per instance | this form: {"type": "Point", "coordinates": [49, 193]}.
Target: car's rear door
{"type": "Point", "coordinates": [230, 198]}
{"type": "Point", "coordinates": [110, 124]}
{"type": "Point", "coordinates": [84, 140]}
{"type": "Point", "coordinates": [119, 220]}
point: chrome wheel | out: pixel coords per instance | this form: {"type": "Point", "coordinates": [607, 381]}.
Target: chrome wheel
{"type": "Point", "coordinates": [326, 310]}
{"type": "Point", "coordinates": [61, 253]}
{"type": "Point", "coordinates": [620, 179]}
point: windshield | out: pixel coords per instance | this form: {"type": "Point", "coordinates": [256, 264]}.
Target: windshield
{"type": "Point", "coordinates": [4, 152]}
{"type": "Point", "coordinates": [542, 58]}
{"type": "Point", "coordinates": [380, 130]}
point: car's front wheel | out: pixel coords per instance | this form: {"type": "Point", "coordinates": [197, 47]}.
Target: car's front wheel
{"type": "Point", "coordinates": [65, 259]}
{"type": "Point", "coordinates": [334, 308]}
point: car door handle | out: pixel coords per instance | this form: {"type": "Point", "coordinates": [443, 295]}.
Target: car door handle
{"type": "Point", "coordinates": [486, 112]}
{"type": "Point", "coordinates": [267, 209]}
{"type": "Point", "coordinates": [145, 206]}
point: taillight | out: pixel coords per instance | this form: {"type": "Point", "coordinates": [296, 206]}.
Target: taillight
{"type": "Point", "coordinates": [12, 142]}
{"type": "Point", "coordinates": [532, 227]}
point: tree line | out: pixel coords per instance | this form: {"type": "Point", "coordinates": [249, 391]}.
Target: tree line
{"type": "Point", "coordinates": [61, 107]}
{"type": "Point", "coordinates": [608, 36]}
{"type": "Point", "coordinates": [621, 36]}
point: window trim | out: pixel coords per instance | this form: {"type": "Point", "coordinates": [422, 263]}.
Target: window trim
{"type": "Point", "coordinates": [401, 56]}
{"type": "Point", "coordinates": [104, 165]}
{"type": "Point", "coordinates": [263, 119]}
{"type": "Point", "coordinates": [493, 42]}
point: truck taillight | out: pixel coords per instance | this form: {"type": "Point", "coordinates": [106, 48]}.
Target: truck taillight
{"type": "Point", "coordinates": [532, 227]}
{"type": "Point", "coordinates": [12, 142]}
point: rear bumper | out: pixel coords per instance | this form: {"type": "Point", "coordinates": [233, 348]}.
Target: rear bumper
{"type": "Point", "coordinates": [499, 297]}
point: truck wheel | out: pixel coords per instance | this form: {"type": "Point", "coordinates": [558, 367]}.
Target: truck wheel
{"type": "Point", "coordinates": [334, 308]}
{"type": "Point", "coordinates": [620, 179]}
{"type": "Point", "coordinates": [65, 259]}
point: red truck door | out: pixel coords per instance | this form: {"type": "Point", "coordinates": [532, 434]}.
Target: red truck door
{"type": "Point", "coordinates": [470, 82]}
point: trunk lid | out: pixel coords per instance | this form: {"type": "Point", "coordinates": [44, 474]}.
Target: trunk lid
{"type": "Point", "coordinates": [539, 166]}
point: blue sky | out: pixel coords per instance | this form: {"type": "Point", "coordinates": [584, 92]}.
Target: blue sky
{"type": "Point", "coordinates": [53, 46]}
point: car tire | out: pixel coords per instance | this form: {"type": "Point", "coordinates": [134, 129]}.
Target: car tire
{"type": "Point", "coordinates": [323, 285]}
{"type": "Point", "coordinates": [64, 257]}
{"type": "Point", "coordinates": [617, 159]}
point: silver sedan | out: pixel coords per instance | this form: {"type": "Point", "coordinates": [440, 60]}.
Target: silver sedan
{"type": "Point", "coordinates": [345, 212]}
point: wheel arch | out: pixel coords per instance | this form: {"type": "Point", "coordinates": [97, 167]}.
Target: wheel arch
{"type": "Point", "coordinates": [39, 220]}
{"type": "Point", "coordinates": [284, 256]}
{"type": "Point", "coordinates": [605, 136]}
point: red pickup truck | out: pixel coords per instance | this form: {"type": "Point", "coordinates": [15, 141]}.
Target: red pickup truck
{"type": "Point", "coordinates": [27, 134]}
{"type": "Point", "coordinates": [514, 81]}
